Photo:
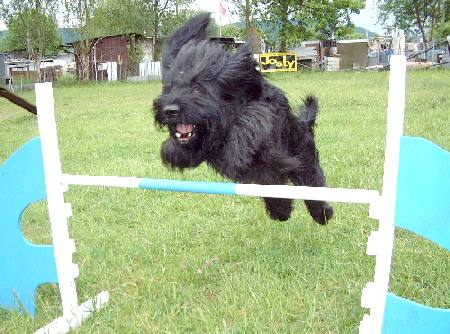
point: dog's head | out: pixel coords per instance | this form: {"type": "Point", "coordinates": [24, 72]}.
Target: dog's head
{"type": "Point", "coordinates": [201, 81]}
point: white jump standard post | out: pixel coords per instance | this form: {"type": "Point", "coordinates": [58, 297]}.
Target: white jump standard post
{"type": "Point", "coordinates": [59, 212]}
{"type": "Point", "coordinates": [381, 242]}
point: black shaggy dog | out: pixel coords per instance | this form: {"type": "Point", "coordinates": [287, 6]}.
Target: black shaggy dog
{"type": "Point", "coordinates": [219, 109]}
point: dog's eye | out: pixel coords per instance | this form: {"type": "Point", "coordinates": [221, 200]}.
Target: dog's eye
{"type": "Point", "coordinates": [195, 89]}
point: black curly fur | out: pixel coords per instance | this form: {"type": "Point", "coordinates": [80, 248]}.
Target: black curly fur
{"type": "Point", "coordinates": [219, 109]}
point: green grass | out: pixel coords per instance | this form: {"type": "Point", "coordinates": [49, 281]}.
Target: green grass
{"type": "Point", "coordinates": [191, 263]}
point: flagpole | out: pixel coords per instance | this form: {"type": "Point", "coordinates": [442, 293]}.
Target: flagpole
{"type": "Point", "coordinates": [220, 20]}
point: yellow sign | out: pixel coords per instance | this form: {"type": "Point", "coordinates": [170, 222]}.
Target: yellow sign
{"type": "Point", "coordinates": [278, 62]}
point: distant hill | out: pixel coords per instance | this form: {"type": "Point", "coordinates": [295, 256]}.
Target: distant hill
{"type": "Point", "coordinates": [69, 35]}
{"type": "Point", "coordinates": [363, 31]}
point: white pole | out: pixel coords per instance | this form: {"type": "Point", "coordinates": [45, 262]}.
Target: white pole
{"type": "Point", "coordinates": [309, 193]}
{"type": "Point", "coordinates": [381, 242]}
{"type": "Point", "coordinates": [274, 191]}
{"type": "Point", "coordinates": [58, 210]}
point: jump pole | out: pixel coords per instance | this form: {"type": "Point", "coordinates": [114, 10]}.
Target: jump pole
{"type": "Point", "coordinates": [226, 188]}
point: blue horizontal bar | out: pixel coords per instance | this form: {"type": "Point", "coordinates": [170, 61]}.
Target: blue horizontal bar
{"type": "Point", "coordinates": [189, 186]}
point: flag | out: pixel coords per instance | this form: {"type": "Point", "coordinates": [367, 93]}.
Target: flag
{"type": "Point", "coordinates": [222, 9]}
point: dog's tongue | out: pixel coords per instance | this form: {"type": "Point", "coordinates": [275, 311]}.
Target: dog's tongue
{"type": "Point", "coordinates": [184, 128]}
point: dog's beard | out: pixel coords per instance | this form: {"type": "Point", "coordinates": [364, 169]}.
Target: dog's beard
{"type": "Point", "coordinates": [190, 125]}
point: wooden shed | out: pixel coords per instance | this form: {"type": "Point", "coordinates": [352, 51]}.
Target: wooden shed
{"type": "Point", "coordinates": [354, 53]}
{"type": "Point", "coordinates": [114, 58]}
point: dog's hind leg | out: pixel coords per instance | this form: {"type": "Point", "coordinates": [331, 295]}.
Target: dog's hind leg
{"type": "Point", "coordinates": [313, 176]}
{"type": "Point", "coordinates": [302, 146]}
{"type": "Point", "coordinates": [277, 208]}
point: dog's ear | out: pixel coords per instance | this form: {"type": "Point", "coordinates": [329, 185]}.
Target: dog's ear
{"type": "Point", "coordinates": [196, 29]}
{"type": "Point", "coordinates": [239, 76]}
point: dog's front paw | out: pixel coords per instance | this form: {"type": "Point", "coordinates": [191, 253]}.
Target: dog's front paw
{"type": "Point", "coordinates": [278, 208]}
{"type": "Point", "coordinates": [321, 212]}
{"type": "Point", "coordinates": [175, 156]}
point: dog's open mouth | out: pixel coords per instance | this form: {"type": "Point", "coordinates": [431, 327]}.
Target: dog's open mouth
{"type": "Point", "coordinates": [185, 132]}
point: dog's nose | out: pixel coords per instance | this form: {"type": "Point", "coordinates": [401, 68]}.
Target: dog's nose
{"type": "Point", "coordinates": [174, 109]}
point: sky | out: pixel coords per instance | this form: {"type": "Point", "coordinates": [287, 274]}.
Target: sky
{"type": "Point", "coordinates": [366, 19]}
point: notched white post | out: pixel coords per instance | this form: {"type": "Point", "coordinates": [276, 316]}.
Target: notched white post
{"type": "Point", "coordinates": [59, 212]}
{"type": "Point", "coordinates": [381, 242]}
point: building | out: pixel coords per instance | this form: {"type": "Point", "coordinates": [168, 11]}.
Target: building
{"type": "Point", "coordinates": [353, 54]}
{"type": "Point", "coordinates": [113, 57]}
{"type": "Point", "coordinates": [3, 58]}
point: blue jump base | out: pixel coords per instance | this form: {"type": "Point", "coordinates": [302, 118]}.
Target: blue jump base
{"type": "Point", "coordinates": [23, 265]}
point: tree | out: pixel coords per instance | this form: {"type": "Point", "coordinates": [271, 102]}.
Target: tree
{"type": "Point", "coordinates": [166, 16]}
{"type": "Point", "coordinates": [115, 17]}
{"type": "Point", "coordinates": [78, 15]}
{"type": "Point", "coordinates": [292, 20]}
{"type": "Point", "coordinates": [247, 10]}
{"type": "Point", "coordinates": [31, 27]}
{"type": "Point", "coordinates": [152, 18]}
{"type": "Point", "coordinates": [415, 16]}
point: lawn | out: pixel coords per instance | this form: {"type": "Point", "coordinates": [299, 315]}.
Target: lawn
{"type": "Point", "coordinates": [192, 263]}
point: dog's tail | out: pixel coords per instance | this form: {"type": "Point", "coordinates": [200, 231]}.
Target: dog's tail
{"type": "Point", "coordinates": [308, 112]}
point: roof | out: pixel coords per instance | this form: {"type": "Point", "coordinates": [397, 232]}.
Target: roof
{"type": "Point", "coordinates": [71, 35]}
{"type": "Point", "coordinates": [352, 41]}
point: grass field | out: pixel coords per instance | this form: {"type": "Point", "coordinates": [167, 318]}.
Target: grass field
{"type": "Point", "coordinates": [191, 263]}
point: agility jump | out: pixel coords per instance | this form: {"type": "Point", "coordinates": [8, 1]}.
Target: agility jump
{"type": "Point", "coordinates": [19, 278]}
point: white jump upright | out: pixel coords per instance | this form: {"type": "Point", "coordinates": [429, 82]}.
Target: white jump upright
{"type": "Point", "coordinates": [59, 212]}
{"type": "Point", "coordinates": [381, 242]}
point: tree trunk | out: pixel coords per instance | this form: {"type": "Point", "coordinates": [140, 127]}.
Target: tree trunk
{"type": "Point", "coordinates": [156, 46]}
{"type": "Point", "coordinates": [38, 55]}
{"type": "Point", "coordinates": [82, 50]}
{"type": "Point", "coordinates": [420, 25]}
{"type": "Point", "coordinates": [38, 61]}
{"type": "Point", "coordinates": [247, 13]}
{"type": "Point", "coordinates": [284, 25]}
{"type": "Point", "coordinates": [18, 100]}
{"type": "Point", "coordinates": [158, 10]}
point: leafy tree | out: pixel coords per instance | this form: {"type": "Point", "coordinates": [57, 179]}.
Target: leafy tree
{"type": "Point", "coordinates": [78, 15]}
{"type": "Point", "coordinates": [415, 16]}
{"type": "Point", "coordinates": [115, 17]}
{"type": "Point", "coordinates": [443, 30]}
{"type": "Point", "coordinates": [31, 27]}
{"type": "Point", "coordinates": [292, 20]}
{"type": "Point", "coordinates": [247, 11]}
{"type": "Point", "coordinates": [152, 18]}
{"type": "Point", "coordinates": [233, 30]}
{"type": "Point", "coordinates": [166, 16]}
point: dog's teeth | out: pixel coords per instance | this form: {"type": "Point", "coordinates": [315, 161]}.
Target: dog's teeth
{"type": "Point", "coordinates": [178, 134]}
{"type": "Point", "coordinates": [189, 134]}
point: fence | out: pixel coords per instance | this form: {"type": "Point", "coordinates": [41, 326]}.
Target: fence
{"type": "Point", "coordinates": [150, 69]}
